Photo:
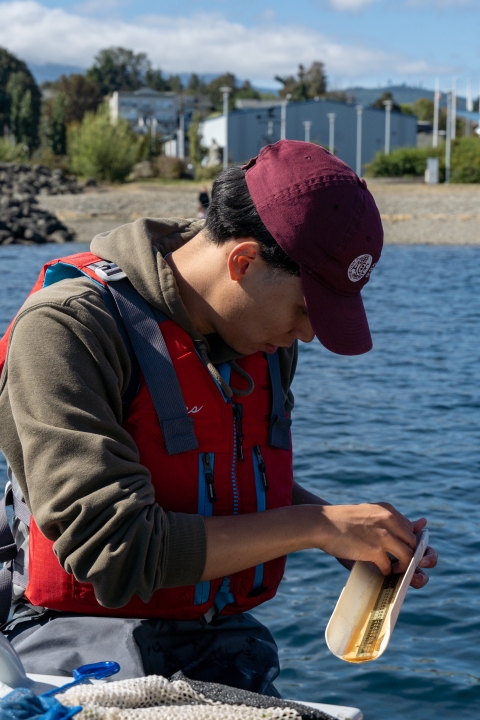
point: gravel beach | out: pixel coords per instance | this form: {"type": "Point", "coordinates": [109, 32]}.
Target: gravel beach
{"type": "Point", "coordinates": [412, 213]}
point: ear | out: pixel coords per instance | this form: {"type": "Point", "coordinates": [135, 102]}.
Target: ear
{"type": "Point", "coordinates": [241, 258]}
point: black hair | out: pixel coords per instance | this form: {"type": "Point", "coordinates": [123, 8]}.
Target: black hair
{"type": "Point", "coordinates": [232, 214]}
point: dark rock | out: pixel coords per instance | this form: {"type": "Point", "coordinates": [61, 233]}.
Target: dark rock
{"type": "Point", "coordinates": [21, 219]}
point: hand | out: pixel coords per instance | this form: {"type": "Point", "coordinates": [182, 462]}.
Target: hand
{"type": "Point", "coordinates": [429, 560]}
{"type": "Point", "coordinates": [368, 532]}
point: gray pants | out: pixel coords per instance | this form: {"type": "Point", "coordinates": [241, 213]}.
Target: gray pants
{"type": "Point", "coordinates": [235, 650]}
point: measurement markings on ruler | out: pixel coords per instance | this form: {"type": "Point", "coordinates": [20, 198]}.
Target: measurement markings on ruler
{"type": "Point", "coordinates": [385, 597]}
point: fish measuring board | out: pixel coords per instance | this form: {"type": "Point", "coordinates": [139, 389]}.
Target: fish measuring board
{"type": "Point", "coordinates": [377, 618]}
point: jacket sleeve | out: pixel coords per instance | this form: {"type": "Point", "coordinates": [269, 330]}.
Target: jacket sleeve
{"type": "Point", "coordinates": [81, 475]}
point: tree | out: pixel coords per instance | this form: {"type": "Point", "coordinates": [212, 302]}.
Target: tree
{"type": "Point", "coordinates": [380, 102]}
{"type": "Point", "coordinates": [26, 105]}
{"type": "Point", "coordinates": [195, 85]}
{"type": "Point", "coordinates": [102, 150]}
{"type": "Point", "coordinates": [154, 79]}
{"type": "Point", "coordinates": [214, 93]}
{"type": "Point", "coordinates": [54, 126]}
{"type": "Point", "coordinates": [197, 151]}
{"type": "Point", "coordinates": [21, 110]}
{"type": "Point", "coordinates": [423, 109]}
{"type": "Point", "coordinates": [247, 92]}
{"type": "Point", "coordinates": [117, 68]}
{"type": "Point", "coordinates": [80, 94]}
{"type": "Point", "coordinates": [307, 85]}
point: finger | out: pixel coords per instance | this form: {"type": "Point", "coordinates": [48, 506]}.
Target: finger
{"type": "Point", "coordinates": [402, 552]}
{"type": "Point", "coordinates": [383, 562]}
{"type": "Point", "coordinates": [401, 532]}
{"type": "Point", "coordinates": [401, 518]}
{"type": "Point", "coordinates": [430, 558]}
{"type": "Point", "coordinates": [419, 579]}
{"type": "Point", "coordinates": [419, 524]}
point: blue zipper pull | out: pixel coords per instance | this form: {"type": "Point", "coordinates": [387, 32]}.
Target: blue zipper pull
{"type": "Point", "coordinates": [261, 466]}
{"type": "Point", "coordinates": [208, 473]}
{"type": "Point", "coordinates": [238, 415]}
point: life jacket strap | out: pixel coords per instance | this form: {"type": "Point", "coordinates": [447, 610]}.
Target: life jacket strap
{"type": "Point", "coordinates": [157, 367]}
{"type": "Point", "coordinates": [12, 571]}
{"type": "Point", "coordinates": [279, 431]}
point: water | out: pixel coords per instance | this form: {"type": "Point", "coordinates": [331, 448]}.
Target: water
{"type": "Point", "coordinates": [400, 424]}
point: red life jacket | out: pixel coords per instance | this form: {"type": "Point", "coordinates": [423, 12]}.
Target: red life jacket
{"type": "Point", "coordinates": [234, 470]}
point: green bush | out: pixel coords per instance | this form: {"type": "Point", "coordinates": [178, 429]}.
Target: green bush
{"type": "Point", "coordinates": [207, 173]}
{"type": "Point", "coordinates": [102, 150]}
{"type": "Point", "coordinates": [10, 152]}
{"type": "Point", "coordinates": [466, 160]}
{"type": "Point", "coordinates": [403, 162]}
{"type": "Point", "coordinates": [169, 168]}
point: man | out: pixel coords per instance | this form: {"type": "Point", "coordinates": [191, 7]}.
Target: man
{"type": "Point", "coordinates": [152, 535]}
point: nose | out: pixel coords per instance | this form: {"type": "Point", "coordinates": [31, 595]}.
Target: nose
{"type": "Point", "coordinates": [304, 330]}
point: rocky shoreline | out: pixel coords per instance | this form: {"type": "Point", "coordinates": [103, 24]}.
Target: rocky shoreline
{"type": "Point", "coordinates": [22, 220]}
{"type": "Point", "coordinates": [412, 213]}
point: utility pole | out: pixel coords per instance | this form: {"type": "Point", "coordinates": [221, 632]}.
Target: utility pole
{"type": "Point", "coordinates": [226, 92]}
{"type": "Point", "coordinates": [283, 117]}
{"type": "Point", "coordinates": [181, 133]}
{"type": "Point", "coordinates": [436, 112]}
{"type": "Point", "coordinates": [359, 139]}
{"type": "Point", "coordinates": [448, 137]}
{"type": "Point", "coordinates": [307, 125]}
{"type": "Point", "coordinates": [469, 107]}
{"type": "Point", "coordinates": [454, 109]}
{"type": "Point", "coordinates": [388, 114]}
{"type": "Point", "coordinates": [331, 132]}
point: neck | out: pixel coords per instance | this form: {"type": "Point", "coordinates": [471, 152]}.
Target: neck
{"type": "Point", "coordinates": [194, 266]}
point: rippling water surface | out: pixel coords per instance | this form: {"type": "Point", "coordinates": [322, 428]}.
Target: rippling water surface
{"type": "Point", "coordinates": [400, 424]}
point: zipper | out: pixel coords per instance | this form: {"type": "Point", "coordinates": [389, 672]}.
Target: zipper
{"type": "Point", "coordinates": [208, 473]}
{"type": "Point", "coordinates": [238, 418]}
{"type": "Point", "coordinates": [261, 466]}
{"type": "Point", "coordinates": [233, 472]}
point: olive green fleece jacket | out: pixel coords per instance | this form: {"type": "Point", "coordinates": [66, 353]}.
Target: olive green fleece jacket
{"type": "Point", "coordinates": [61, 414]}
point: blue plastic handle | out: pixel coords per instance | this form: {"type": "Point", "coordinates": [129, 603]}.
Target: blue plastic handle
{"type": "Point", "coordinates": [95, 671]}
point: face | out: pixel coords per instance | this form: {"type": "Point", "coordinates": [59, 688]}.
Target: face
{"type": "Point", "coordinates": [255, 308]}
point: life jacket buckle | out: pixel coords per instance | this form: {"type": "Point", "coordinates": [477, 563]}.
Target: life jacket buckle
{"type": "Point", "coordinates": [107, 271]}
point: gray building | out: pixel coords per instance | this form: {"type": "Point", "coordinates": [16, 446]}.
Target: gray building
{"type": "Point", "coordinates": [251, 129]}
{"type": "Point", "coordinates": [142, 107]}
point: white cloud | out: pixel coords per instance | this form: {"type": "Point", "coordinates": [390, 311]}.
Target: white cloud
{"type": "Point", "coordinates": [350, 4]}
{"type": "Point", "coordinates": [202, 43]}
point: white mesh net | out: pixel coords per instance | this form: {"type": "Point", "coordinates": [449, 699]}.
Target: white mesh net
{"type": "Point", "coordinates": [155, 698]}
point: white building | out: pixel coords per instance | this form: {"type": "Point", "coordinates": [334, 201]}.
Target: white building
{"type": "Point", "coordinates": [144, 107]}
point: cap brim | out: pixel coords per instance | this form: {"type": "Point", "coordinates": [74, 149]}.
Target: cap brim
{"type": "Point", "coordinates": [339, 321]}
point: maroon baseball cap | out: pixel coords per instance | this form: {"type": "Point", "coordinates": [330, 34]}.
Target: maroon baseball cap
{"type": "Point", "coordinates": [325, 219]}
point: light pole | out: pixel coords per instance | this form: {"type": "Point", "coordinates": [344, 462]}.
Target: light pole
{"type": "Point", "coordinates": [181, 135]}
{"type": "Point", "coordinates": [359, 139]}
{"type": "Point", "coordinates": [454, 109]}
{"type": "Point", "coordinates": [226, 92]}
{"type": "Point", "coordinates": [469, 106]}
{"type": "Point", "coordinates": [448, 137]}
{"type": "Point", "coordinates": [388, 116]}
{"type": "Point", "coordinates": [307, 125]}
{"type": "Point", "coordinates": [331, 132]}
{"type": "Point", "coordinates": [283, 117]}
{"type": "Point", "coordinates": [436, 112]}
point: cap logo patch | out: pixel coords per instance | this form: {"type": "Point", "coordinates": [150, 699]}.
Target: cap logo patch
{"type": "Point", "coordinates": [359, 267]}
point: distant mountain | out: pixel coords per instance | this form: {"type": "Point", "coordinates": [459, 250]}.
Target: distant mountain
{"type": "Point", "coordinates": [51, 71]}
{"type": "Point", "coordinates": [402, 94]}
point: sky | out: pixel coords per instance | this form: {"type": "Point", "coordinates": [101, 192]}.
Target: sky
{"type": "Point", "coordinates": [361, 42]}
